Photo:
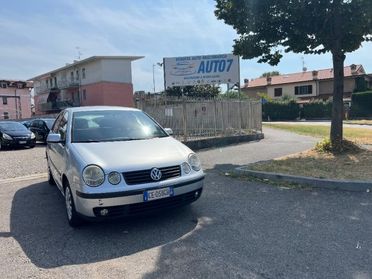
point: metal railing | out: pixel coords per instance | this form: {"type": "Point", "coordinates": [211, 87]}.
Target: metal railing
{"type": "Point", "coordinates": [192, 119]}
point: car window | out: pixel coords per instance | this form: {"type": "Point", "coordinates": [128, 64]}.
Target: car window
{"type": "Point", "coordinates": [49, 123]}
{"type": "Point", "coordinates": [12, 126]}
{"type": "Point", "coordinates": [113, 125]}
{"type": "Point", "coordinates": [56, 123]}
{"type": "Point", "coordinates": [62, 127]}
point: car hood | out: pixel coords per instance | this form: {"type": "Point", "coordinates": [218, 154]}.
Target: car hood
{"type": "Point", "coordinates": [133, 155]}
{"type": "Point", "coordinates": [14, 133]}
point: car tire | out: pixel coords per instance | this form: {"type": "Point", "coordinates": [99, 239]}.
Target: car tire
{"type": "Point", "coordinates": [72, 216]}
{"type": "Point", "coordinates": [51, 180]}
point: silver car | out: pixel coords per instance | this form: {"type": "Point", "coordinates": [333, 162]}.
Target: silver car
{"type": "Point", "coordinates": [114, 161]}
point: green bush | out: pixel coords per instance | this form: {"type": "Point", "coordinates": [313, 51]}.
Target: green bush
{"type": "Point", "coordinates": [317, 110]}
{"type": "Point", "coordinates": [280, 110]}
{"type": "Point", "coordinates": [361, 104]}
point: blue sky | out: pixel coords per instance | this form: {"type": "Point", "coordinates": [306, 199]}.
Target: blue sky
{"type": "Point", "coordinates": [38, 36]}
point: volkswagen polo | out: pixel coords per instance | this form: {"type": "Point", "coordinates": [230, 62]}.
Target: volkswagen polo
{"type": "Point", "coordinates": [113, 161]}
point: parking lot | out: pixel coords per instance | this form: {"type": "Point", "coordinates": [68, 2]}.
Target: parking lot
{"type": "Point", "coordinates": [238, 229]}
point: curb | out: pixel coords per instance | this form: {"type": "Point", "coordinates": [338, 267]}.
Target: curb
{"type": "Point", "coordinates": [333, 184]}
{"type": "Point", "coordinates": [220, 142]}
{"type": "Point", "coordinates": [24, 178]}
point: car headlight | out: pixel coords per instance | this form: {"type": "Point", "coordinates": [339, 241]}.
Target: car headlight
{"type": "Point", "coordinates": [93, 176]}
{"type": "Point", "coordinates": [186, 167]}
{"type": "Point", "coordinates": [33, 136]}
{"type": "Point", "coordinates": [194, 162]}
{"type": "Point", "coordinates": [7, 137]}
{"type": "Point", "coordinates": [114, 178]}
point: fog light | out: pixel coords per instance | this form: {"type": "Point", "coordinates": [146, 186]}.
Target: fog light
{"type": "Point", "coordinates": [104, 212]}
{"type": "Point", "coordinates": [196, 194]}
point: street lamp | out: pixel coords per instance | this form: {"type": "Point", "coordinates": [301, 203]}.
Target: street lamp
{"type": "Point", "coordinates": [153, 73]}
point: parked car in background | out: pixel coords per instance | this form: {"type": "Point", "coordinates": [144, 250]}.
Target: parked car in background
{"type": "Point", "coordinates": [14, 134]}
{"type": "Point", "coordinates": [41, 127]}
{"type": "Point", "coordinates": [113, 161]}
{"type": "Point", "coordinates": [26, 123]}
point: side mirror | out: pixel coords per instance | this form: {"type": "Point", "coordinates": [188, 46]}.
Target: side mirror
{"type": "Point", "coordinates": [169, 131]}
{"type": "Point", "coordinates": [54, 138]}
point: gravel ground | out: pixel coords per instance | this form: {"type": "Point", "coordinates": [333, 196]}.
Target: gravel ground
{"type": "Point", "coordinates": [21, 162]}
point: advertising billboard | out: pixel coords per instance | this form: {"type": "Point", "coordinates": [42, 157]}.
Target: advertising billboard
{"type": "Point", "coordinates": [203, 69]}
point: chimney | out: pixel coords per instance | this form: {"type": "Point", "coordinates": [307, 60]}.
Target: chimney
{"type": "Point", "coordinates": [268, 79]}
{"type": "Point", "coordinates": [353, 68]}
{"type": "Point", "coordinates": [315, 75]}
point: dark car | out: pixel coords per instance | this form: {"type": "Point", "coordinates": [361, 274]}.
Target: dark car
{"type": "Point", "coordinates": [13, 134]}
{"type": "Point", "coordinates": [41, 127]}
{"type": "Point", "coordinates": [26, 123]}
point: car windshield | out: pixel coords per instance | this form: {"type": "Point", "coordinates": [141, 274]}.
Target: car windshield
{"type": "Point", "coordinates": [12, 126]}
{"type": "Point", "coordinates": [49, 123]}
{"type": "Point", "coordinates": [113, 125]}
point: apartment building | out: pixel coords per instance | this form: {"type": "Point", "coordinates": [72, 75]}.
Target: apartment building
{"type": "Point", "coordinates": [307, 85]}
{"type": "Point", "coordinates": [15, 99]}
{"type": "Point", "coordinates": [97, 80]}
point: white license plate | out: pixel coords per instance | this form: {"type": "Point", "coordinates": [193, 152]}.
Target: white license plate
{"type": "Point", "coordinates": [158, 194]}
{"type": "Point", "coordinates": [22, 142]}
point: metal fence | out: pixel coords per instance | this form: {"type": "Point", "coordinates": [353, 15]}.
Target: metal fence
{"type": "Point", "coordinates": [192, 119]}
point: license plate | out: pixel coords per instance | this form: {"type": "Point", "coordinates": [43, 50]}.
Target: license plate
{"type": "Point", "coordinates": [158, 194]}
{"type": "Point", "coordinates": [22, 142]}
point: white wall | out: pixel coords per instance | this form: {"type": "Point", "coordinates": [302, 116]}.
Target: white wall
{"type": "Point", "coordinates": [289, 89]}
{"type": "Point", "coordinates": [112, 70]}
{"type": "Point", "coordinates": [116, 70]}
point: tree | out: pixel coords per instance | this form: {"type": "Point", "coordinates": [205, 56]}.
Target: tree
{"type": "Point", "coordinates": [200, 91]}
{"type": "Point", "coordinates": [266, 28]}
{"type": "Point", "coordinates": [270, 74]}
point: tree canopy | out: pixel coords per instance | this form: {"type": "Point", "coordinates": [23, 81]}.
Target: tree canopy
{"type": "Point", "coordinates": [266, 27]}
{"type": "Point", "coordinates": [270, 74]}
{"type": "Point", "coordinates": [199, 91]}
{"type": "Point", "coordinates": [269, 28]}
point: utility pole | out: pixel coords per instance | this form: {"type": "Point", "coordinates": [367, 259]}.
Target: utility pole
{"type": "Point", "coordinates": [153, 76]}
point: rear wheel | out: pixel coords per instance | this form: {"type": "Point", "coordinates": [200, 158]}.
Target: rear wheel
{"type": "Point", "coordinates": [72, 217]}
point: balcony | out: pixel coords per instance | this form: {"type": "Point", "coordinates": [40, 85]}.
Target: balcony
{"type": "Point", "coordinates": [54, 107]}
{"type": "Point", "coordinates": [62, 84]}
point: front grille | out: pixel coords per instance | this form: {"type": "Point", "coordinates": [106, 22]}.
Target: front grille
{"type": "Point", "coordinates": [21, 138]}
{"type": "Point", "coordinates": [143, 176]}
{"type": "Point", "coordinates": [148, 207]}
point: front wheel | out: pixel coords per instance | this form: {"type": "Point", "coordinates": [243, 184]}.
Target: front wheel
{"type": "Point", "coordinates": [51, 180]}
{"type": "Point", "coordinates": [72, 216]}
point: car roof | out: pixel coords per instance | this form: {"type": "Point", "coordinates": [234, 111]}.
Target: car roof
{"type": "Point", "coordinates": [98, 108]}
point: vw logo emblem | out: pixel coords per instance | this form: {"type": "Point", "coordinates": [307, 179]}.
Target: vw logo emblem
{"type": "Point", "coordinates": [155, 174]}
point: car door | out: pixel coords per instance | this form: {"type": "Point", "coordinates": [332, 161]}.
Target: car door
{"type": "Point", "coordinates": [56, 151]}
{"type": "Point", "coordinates": [44, 130]}
{"type": "Point", "coordinates": [34, 127]}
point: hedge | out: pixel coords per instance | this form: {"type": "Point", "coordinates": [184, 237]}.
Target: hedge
{"type": "Point", "coordinates": [361, 104]}
{"type": "Point", "coordinates": [317, 110]}
{"type": "Point", "coordinates": [290, 110]}
{"type": "Point", "coordinates": [279, 110]}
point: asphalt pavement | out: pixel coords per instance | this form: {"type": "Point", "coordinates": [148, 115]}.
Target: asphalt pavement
{"type": "Point", "coordinates": [238, 229]}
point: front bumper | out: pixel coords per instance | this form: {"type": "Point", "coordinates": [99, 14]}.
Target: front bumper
{"type": "Point", "coordinates": [18, 143]}
{"type": "Point", "coordinates": [126, 203]}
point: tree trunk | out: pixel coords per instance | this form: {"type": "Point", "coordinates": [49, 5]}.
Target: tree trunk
{"type": "Point", "coordinates": [338, 104]}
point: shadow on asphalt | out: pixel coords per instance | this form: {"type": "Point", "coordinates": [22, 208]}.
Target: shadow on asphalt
{"type": "Point", "coordinates": [39, 224]}
{"type": "Point", "coordinates": [236, 229]}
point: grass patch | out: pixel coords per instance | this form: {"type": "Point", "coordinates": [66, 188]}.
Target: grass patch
{"type": "Point", "coordinates": [358, 135]}
{"type": "Point", "coordinates": [311, 163]}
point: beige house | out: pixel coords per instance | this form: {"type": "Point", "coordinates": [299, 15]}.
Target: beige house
{"type": "Point", "coordinates": [307, 85]}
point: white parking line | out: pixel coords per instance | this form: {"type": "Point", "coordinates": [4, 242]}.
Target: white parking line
{"type": "Point", "coordinates": [24, 178]}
